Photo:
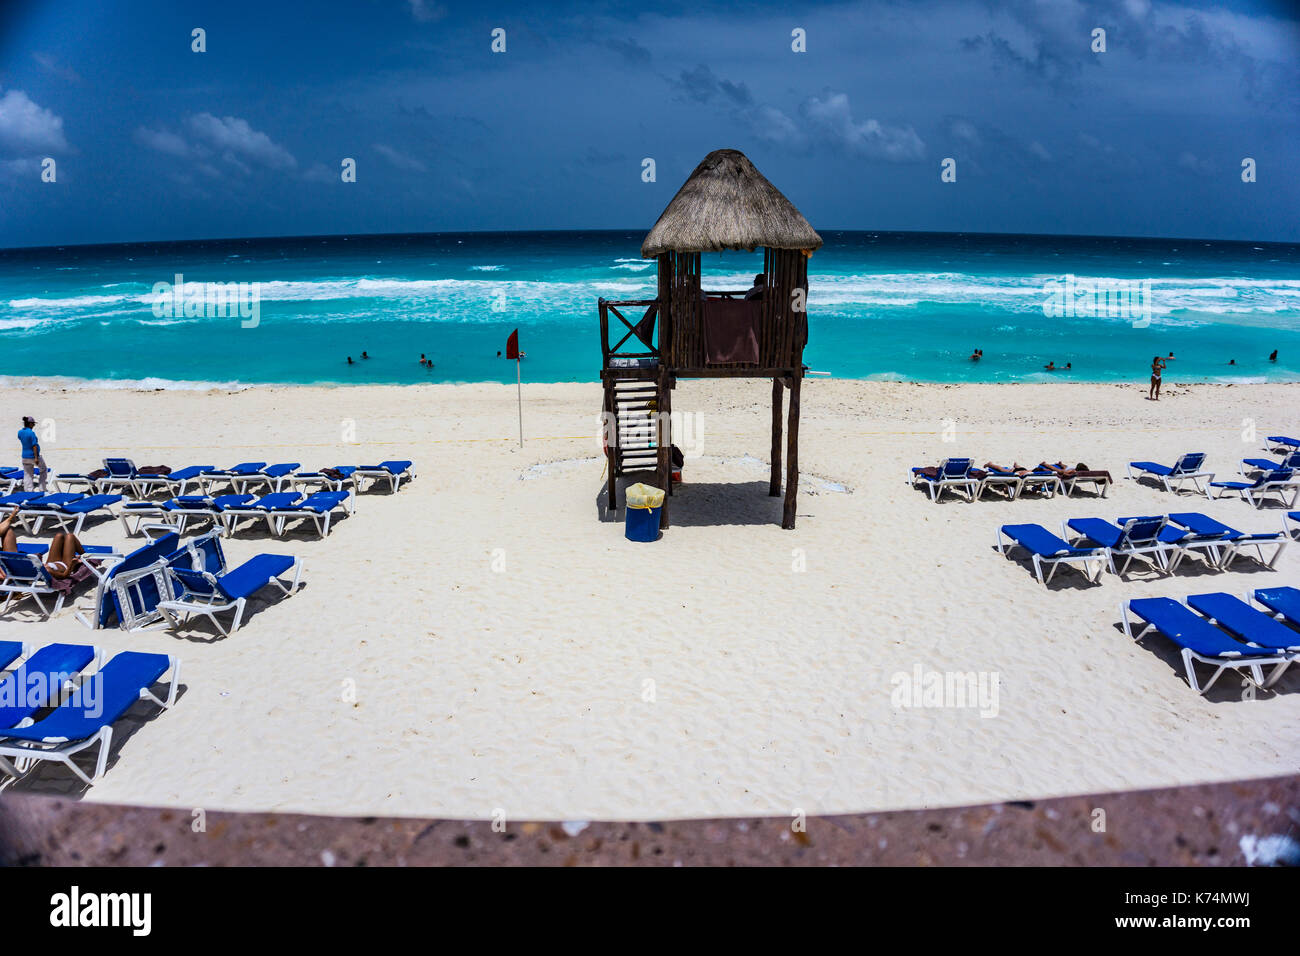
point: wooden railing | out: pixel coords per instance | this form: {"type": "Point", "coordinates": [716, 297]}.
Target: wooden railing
{"type": "Point", "coordinates": [648, 319]}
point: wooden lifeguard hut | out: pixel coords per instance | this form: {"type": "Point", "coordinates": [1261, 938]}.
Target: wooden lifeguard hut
{"type": "Point", "coordinates": [687, 331]}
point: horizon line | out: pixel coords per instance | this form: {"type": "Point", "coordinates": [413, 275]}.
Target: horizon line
{"type": "Point", "coordinates": [518, 232]}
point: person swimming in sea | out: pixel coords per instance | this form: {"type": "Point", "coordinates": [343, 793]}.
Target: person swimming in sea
{"type": "Point", "coordinates": [350, 362]}
{"type": "Point", "coordinates": [1050, 366]}
{"type": "Point", "coordinates": [364, 355]}
{"type": "Point", "coordinates": [1272, 356]}
{"type": "Point", "coordinates": [977, 355]}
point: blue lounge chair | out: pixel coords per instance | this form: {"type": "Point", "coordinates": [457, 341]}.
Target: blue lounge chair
{"type": "Point", "coordinates": [262, 509]}
{"type": "Point", "coordinates": [1202, 642]}
{"type": "Point", "coordinates": [319, 508]}
{"type": "Point", "coordinates": [1282, 441]}
{"type": "Point", "coordinates": [1149, 538]}
{"type": "Point", "coordinates": [68, 515]}
{"type": "Point", "coordinates": [1173, 477]}
{"type": "Point", "coordinates": [25, 576]}
{"type": "Point", "coordinates": [1247, 624]}
{"type": "Point", "coordinates": [40, 679]}
{"type": "Point", "coordinates": [87, 717]}
{"type": "Point", "coordinates": [952, 473]}
{"type": "Point", "coordinates": [71, 481]}
{"type": "Point", "coordinates": [1227, 541]}
{"type": "Point", "coordinates": [177, 514]}
{"type": "Point", "coordinates": [1251, 465]}
{"type": "Point", "coordinates": [19, 498]}
{"type": "Point", "coordinates": [1281, 602]}
{"type": "Point", "coordinates": [125, 596]}
{"type": "Point", "coordinates": [207, 594]}
{"type": "Point", "coordinates": [216, 477]}
{"type": "Point", "coordinates": [178, 482]}
{"type": "Point", "coordinates": [392, 471]}
{"type": "Point", "coordinates": [1277, 482]}
{"type": "Point", "coordinates": [272, 476]}
{"type": "Point", "coordinates": [10, 651]}
{"type": "Point", "coordinates": [1046, 548]}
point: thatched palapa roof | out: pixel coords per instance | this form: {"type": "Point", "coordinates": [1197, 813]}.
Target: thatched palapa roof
{"type": "Point", "coordinates": [728, 204]}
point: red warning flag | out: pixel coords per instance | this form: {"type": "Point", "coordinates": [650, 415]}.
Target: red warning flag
{"type": "Point", "coordinates": [512, 345]}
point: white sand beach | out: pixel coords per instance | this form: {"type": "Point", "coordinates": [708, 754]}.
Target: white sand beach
{"type": "Point", "coordinates": [510, 651]}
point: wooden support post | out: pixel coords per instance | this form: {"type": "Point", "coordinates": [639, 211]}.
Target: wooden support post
{"type": "Point", "coordinates": [792, 453]}
{"type": "Point", "coordinates": [774, 487]}
{"type": "Point", "coordinates": [610, 425]}
{"type": "Point", "coordinates": [664, 433]}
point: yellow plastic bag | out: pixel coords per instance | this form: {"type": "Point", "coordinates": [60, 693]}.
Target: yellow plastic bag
{"type": "Point", "coordinates": [642, 495]}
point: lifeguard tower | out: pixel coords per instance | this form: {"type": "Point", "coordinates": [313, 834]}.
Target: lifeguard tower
{"type": "Point", "coordinates": [691, 332]}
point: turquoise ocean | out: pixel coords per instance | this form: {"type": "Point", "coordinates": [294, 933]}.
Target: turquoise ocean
{"type": "Point", "coordinates": [888, 306]}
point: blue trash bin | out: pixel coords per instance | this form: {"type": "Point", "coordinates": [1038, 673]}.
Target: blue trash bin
{"type": "Point", "coordinates": [644, 503]}
{"type": "Point", "coordinates": [642, 524]}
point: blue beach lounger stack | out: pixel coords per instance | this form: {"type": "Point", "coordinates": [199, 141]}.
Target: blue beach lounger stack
{"type": "Point", "coordinates": [87, 715]}
{"type": "Point", "coordinates": [1202, 642]}
{"type": "Point", "coordinates": [1173, 477]}
{"type": "Point", "coordinates": [1226, 542]}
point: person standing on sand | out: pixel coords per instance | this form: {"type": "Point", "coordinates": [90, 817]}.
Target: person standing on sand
{"type": "Point", "coordinates": [1157, 368]}
{"type": "Point", "coordinates": [33, 460]}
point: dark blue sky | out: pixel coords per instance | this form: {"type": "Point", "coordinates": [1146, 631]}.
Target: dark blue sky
{"type": "Point", "coordinates": [153, 141]}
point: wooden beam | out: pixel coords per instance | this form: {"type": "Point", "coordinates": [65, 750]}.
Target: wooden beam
{"type": "Point", "coordinates": [792, 455]}
{"type": "Point", "coordinates": [774, 488]}
{"type": "Point", "coordinates": [663, 411]}
{"type": "Point", "coordinates": [611, 447]}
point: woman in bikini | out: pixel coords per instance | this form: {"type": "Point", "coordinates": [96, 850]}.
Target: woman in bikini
{"type": "Point", "coordinates": [1157, 366]}
{"type": "Point", "coordinates": [63, 557]}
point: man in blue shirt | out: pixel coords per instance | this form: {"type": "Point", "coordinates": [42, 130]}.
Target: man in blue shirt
{"type": "Point", "coordinates": [33, 460]}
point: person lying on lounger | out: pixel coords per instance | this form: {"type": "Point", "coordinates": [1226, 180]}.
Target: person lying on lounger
{"type": "Point", "coordinates": [1079, 471]}
{"type": "Point", "coordinates": [64, 556]}
{"type": "Point", "coordinates": [1015, 469]}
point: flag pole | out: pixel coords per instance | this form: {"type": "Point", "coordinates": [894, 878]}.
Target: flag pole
{"type": "Point", "coordinates": [519, 387]}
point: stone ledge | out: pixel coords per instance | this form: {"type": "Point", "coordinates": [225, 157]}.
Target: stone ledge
{"type": "Point", "coordinates": [1207, 825]}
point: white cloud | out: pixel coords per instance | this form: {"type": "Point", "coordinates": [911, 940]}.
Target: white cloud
{"type": "Point", "coordinates": [162, 141]}
{"type": "Point", "coordinates": [239, 143]}
{"type": "Point", "coordinates": [52, 66]}
{"type": "Point", "coordinates": [400, 160]}
{"type": "Point", "coordinates": [426, 11]}
{"type": "Point", "coordinates": [26, 128]}
{"type": "Point", "coordinates": [833, 117]}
